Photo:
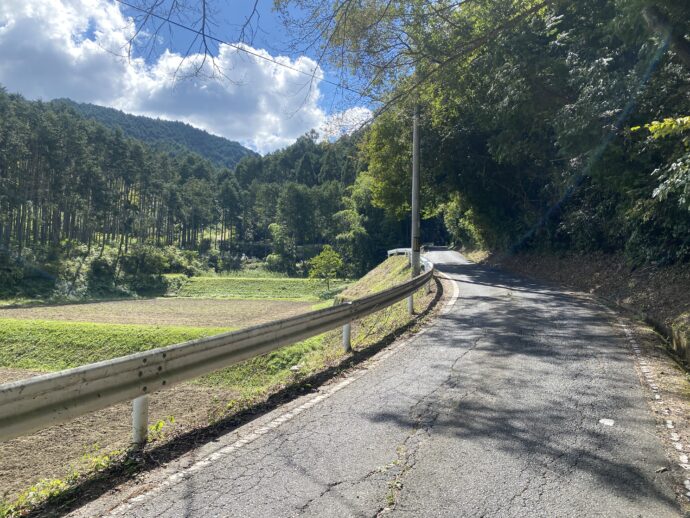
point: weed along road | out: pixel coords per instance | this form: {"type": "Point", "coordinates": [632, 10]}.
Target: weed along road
{"type": "Point", "coordinates": [517, 400]}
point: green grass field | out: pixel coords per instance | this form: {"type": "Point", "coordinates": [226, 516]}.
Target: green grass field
{"type": "Point", "coordinates": [43, 345]}
{"type": "Point", "coordinates": [256, 378]}
{"type": "Point", "coordinates": [49, 345]}
{"type": "Point", "coordinates": [257, 288]}
{"type": "Point", "coordinates": [46, 345]}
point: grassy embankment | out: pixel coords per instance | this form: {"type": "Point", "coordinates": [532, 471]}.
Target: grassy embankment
{"type": "Point", "coordinates": [259, 377]}
{"type": "Point", "coordinates": [44, 345]}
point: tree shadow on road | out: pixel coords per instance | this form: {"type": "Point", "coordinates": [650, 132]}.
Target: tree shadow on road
{"type": "Point", "coordinates": [542, 368]}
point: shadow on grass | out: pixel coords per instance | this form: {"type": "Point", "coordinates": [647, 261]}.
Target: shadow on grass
{"type": "Point", "coordinates": [138, 461]}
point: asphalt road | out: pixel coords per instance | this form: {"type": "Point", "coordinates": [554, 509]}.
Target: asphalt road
{"type": "Point", "coordinates": [493, 411]}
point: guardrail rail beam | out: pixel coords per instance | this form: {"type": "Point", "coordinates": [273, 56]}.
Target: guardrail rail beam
{"type": "Point", "coordinates": [32, 404]}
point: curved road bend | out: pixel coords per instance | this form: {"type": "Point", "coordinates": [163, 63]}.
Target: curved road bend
{"type": "Point", "coordinates": [493, 411]}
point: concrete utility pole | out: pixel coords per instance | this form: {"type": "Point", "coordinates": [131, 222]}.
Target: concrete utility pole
{"type": "Point", "coordinates": [415, 237]}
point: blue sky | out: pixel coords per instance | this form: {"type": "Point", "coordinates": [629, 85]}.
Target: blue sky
{"type": "Point", "coordinates": [267, 32]}
{"type": "Point", "coordinates": [78, 49]}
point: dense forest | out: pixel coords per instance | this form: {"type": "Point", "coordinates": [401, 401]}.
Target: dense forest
{"type": "Point", "coordinates": [540, 137]}
{"type": "Point", "coordinates": [169, 136]}
{"type": "Point", "coordinates": [85, 208]}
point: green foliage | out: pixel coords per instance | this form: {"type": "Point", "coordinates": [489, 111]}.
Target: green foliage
{"type": "Point", "coordinates": [156, 431]}
{"type": "Point", "coordinates": [675, 173]}
{"type": "Point", "coordinates": [523, 137]}
{"type": "Point", "coordinates": [73, 271]}
{"type": "Point", "coordinates": [253, 269]}
{"type": "Point", "coordinates": [86, 210]}
{"type": "Point", "coordinates": [33, 496]}
{"type": "Point", "coordinates": [102, 275]}
{"type": "Point", "coordinates": [326, 265]}
{"type": "Point", "coordinates": [667, 127]}
{"type": "Point", "coordinates": [366, 231]}
{"type": "Point", "coordinates": [97, 460]}
{"type": "Point", "coordinates": [143, 269]}
{"type": "Point", "coordinates": [47, 489]}
{"type": "Point", "coordinates": [460, 225]}
{"type": "Point", "coordinates": [12, 273]}
{"type": "Point", "coordinates": [284, 255]}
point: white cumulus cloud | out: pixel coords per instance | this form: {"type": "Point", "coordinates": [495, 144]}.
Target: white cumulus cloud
{"type": "Point", "coordinates": [75, 49]}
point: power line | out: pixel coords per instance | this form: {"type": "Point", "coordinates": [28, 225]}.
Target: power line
{"type": "Point", "coordinates": [203, 34]}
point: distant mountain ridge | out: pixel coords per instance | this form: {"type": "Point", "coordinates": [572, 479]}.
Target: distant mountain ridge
{"type": "Point", "coordinates": [171, 136]}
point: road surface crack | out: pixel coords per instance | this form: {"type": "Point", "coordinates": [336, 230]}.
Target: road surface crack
{"type": "Point", "coordinates": [424, 423]}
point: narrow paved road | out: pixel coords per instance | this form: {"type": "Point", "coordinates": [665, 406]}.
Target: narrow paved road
{"type": "Point", "coordinates": [493, 411]}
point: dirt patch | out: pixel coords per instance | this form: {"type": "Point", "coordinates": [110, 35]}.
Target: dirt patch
{"type": "Point", "coordinates": [77, 444]}
{"type": "Point", "coordinates": [164, 311]}
{"type": "Point", "coordinates": [7, 375]}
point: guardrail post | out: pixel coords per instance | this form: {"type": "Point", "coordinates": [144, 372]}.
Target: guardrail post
{"type": "Point", "coordinates": [140, 420]}
{"type": "Point", "coordinates": [410, 304]}
{"type": "Point", "coordinates": [347, 330]}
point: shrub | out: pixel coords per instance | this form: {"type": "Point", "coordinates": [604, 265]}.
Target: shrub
{"type": "Point", "coordinates": [326, 265]}
{"type": "Point", "coordinates": [143, 269]}
{"type": "Point", "coordinates": [11, 274]}
{"type": "Point", "coordinates": [101, 277]}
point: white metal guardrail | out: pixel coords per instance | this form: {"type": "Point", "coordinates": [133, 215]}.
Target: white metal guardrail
{"type": "Point", "coordinates": [32, 404]}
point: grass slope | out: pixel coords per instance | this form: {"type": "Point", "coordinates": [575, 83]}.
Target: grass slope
{"type": "Point", "coordinates": [256, 288]}
{"type": "Point", "coordinates": [261, 376]}
{"type": "Point", "coordinates": [395, 270]}
{"type": "Point", "coordinates": [46, 345]}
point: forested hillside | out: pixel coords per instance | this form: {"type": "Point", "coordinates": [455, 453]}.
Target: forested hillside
{"type": "Point", "coordinates": [537, 133]}
{"type": "Point", "coordinates": [86, 209]}
{"type": "Point", "coordinates": [170, 136]}
{"type": "Point", "coordinates": [534, 119]}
